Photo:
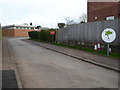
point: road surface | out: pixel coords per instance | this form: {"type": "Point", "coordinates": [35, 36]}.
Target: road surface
{"type": "Point", "coordinates": [42, 68]}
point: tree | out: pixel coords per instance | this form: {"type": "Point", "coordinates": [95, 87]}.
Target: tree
{"type": "Point", "coordinates": [69, 21]}
{"type": "Point", "coordinates": [38, 27]}
{"type": "Point", "coordinates": [60, 25]}
{"type": "Point", "coordinates": [83, 18]}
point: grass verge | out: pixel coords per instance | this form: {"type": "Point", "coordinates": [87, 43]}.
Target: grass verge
{"type": "Point", "coordinates": [103, 53]}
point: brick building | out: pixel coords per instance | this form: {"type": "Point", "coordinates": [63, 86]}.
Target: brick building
{"type": "Point", "coordinates": [98, 11]}
{"type": "Point", "coordinates": [17, 30]}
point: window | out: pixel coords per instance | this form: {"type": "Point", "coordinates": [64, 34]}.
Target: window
{"type": "Point", "coordinates": [14, 27]}
{"type": "Point", "coordinates": [25, 27]}
{"type": "Point", "coordinates": [110, 18]}
{"type": "Point", "coordinates": [17, 27]}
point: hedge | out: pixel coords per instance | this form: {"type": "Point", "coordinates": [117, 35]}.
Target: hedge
{"type": "Point", "coordinates": [33, 34]}
{"type": "Point", "coordinates": [43, 35]}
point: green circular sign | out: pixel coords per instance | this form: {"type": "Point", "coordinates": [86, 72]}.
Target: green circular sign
{"type": "Point", "coordinates": [108, 35]}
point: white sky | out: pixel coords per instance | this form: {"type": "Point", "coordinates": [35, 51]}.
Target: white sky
{"type": "Point", "coordinates": [46, 13]}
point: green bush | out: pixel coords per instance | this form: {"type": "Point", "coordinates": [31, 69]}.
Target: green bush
{"type": "Point", "coordinates": [33, 34]}
{"type": "Point", "coordinates": [43, 35]}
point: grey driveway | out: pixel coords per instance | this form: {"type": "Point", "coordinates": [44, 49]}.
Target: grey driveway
{"type": "Point", "coordinates": [42, 68]}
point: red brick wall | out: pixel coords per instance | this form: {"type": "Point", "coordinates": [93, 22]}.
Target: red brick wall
{"type": "Point", "coordinates": [102, 10]}
{"type": "Point", "coordinates": [21, 32]}
{"type": "Point", "coordinates": [16, 32]}
{"type": "Point", "coordinates": [8, 32]}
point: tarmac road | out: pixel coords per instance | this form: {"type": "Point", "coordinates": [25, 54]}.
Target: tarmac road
{"type": "Point", "coordinates": [42, 68]}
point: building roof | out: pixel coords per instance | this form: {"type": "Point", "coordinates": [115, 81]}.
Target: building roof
{"type": "Point", "coordinates": [44, 28]}
{"type": "Point", "coordinates": [15, 25]}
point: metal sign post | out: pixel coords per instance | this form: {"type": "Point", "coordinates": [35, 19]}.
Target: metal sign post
{"type": "Point", "coordinates": [108, 36]}
{"type": "Point", "coordinates": [52, 33]}
{"type": "Point", "coordinates": [52, 38]}
{"type": "Point", "coordinates": [108, 47]}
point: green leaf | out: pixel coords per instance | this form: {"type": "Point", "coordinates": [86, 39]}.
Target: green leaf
{"type": "Point", "coordinates": [108, 32]}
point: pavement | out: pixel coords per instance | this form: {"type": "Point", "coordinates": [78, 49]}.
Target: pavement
{"type": "Point", "coordinates": [103, 61]}
{"type": "Point", "coordinates": [9, 71]}
{"type": "Point", "coordinates": [39, 67]}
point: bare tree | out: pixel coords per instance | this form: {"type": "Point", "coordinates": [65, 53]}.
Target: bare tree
{"type": "Point", "coordinates": [83, 18]}
{"type": "Point", "coordinates": [69, 21]}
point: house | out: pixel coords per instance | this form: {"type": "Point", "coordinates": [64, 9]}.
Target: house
{"type": "Point", "coordinates": [17, 30]}
{"type": "Point", "coordinates": [98, 11]}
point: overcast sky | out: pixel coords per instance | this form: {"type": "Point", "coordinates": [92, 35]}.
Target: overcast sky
{"type": "Point", "coordinates": [46, 13]}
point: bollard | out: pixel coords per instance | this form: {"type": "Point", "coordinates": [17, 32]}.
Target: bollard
{"type": "Point", "coordinates": [99, 46]}
{"type": "Point", "coordinates": [95, 47]}
{"type": "Point", "coordinates": [110, 50]}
